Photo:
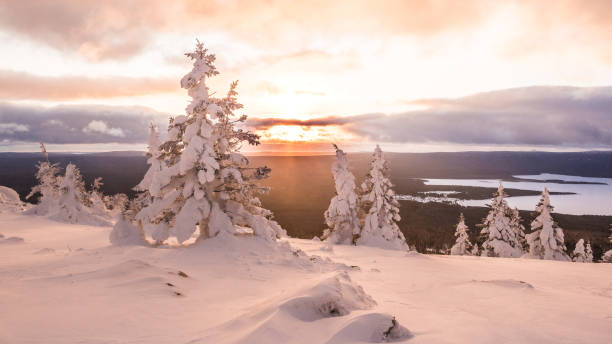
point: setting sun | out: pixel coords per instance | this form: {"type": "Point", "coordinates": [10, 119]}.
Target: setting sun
{"type": "Point", "coordinates": [307, 134]}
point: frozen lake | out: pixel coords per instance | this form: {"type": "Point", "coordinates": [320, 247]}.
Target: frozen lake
{"type": "Point", "coordinates": [589, 199]}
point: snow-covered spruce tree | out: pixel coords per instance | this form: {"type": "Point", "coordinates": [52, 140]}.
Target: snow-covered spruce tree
{"type": "Point", "coordinates": [546, 240]}
{"type": "Point", "coordinates": [96, 199]}
{"type": "Point", "coordinates": [579, 254]}
{"type": "Point", "coordinates": [204, 181]}
{"type": "Point", "coordinates": [150, 184]}
{"type": "Point", "coordinates": [607, 256]}
{"type": "Point", "coordinates": [475, 250]}
{"type": "Point", "coordinates": [48, 186]}
{"type": "Point", "coordinates": [150, 180]}
{"type": "Point", "coordinates": [341, 215]}
{"type": "Point", "coordinates": [500, 238]}
{"type": "Point", "coordinates": [588, 252]}
{"type": "Point", "coordinates": [462, 246]}
{"type": "Point", "coordinates": [71, 202]}
{"type": "Point", "coordinates": [380, 207]}
{"type": "Point", "coordinates": [518, 229]}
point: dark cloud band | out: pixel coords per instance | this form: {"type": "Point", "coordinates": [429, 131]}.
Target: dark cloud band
{"type": "Point", "coordinates": [531, 116]}
{"type": "Point", "coordinates": [77, 124]}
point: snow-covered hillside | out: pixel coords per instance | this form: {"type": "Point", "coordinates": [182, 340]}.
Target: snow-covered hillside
{"type": "Point", "coordinates": [64, 283]}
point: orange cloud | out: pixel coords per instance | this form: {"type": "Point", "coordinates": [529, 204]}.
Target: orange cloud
{"type": "Point", "coordinates": [562, 25]}
{"type": "Point", "coordinates": [117, 29]}
{"type": "Point", "coordinates": [19, 85]}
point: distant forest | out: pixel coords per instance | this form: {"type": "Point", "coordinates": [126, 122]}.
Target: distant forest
{"type": "Point", "coordinates": [302, 186]}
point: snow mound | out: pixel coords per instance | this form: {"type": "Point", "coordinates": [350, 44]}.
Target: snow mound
{"type": "Point", "coordinates": [336, 296]}
{"type": "Point", "coordinates": [607, 257]}
{"type": "Point", "coordinates": [125, 233]}
{"type": "Point", "coordinates": [325, 303]}
{"type": "Point", "coordinates": [11, 240]}
{"type": "Point", "coordinates": [9, 201]}
{"type": "Point", "coordinates": [45, 251]}
{"type": "Point", "coordinates": [372, 328]}
{"type": "Point", "coordinates": [256, 250]}
{"type": "Point", "coordinates": [380, 242]}
{"type": "Point", "coordinates": [507, 283]}
{"type": "Point", "coordinates": [415, 254]}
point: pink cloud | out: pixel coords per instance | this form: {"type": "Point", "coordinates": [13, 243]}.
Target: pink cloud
{"type": "Point", "coordinates": [19, 85]}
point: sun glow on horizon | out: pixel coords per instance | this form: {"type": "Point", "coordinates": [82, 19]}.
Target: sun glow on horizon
{"type": "Point", "coordinates": [306, 134]}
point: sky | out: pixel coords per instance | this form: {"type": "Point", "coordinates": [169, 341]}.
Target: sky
{"type": "Point", "coordinates": [423, 75]}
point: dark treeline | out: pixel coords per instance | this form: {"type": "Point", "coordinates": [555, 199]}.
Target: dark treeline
{"type": "Point", "coordinates": [302, 186]}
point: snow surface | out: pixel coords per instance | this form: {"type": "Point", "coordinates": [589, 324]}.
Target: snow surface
{"type": "Point", "coordinates": [65, 283]}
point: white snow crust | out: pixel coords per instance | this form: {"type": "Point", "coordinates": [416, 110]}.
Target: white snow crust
{"type": "Point", "coordinates": [64, 283]}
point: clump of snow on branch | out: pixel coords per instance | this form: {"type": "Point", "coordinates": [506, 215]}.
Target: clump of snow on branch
{"type": "Point", "coordinates": [462, 246]}
{"type": "Point", "coordinates": [501, 239]}
{"type": "Point", "coordinates": [546, 240]}
{"type": "Point", "coordinates": [198, 180]}
{"type": "Point", "coordinates": [341, 215]}
{"type": "Point", "coordinates": [381, 208]}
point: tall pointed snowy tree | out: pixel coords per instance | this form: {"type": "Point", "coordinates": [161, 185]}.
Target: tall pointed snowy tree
{"type": "Point", "coordinates": [518, 229]}
{"type": "Point", "coordinates": [150, 181]}
{"type": "Point", "coordinates": [462, 246]}
{"type": "Point", "coordinates": [148, 186]}
{"type": "Point", "coordinates": [48, 186]}
{"type": "Point", "coordinates": [546, 240]}
{"type": "Point", "coordinates": [204, 182]}
{"type": "Point", "coordinates": [607, 256]}
{"type": "Point", "coordinates": [500, 238]}
{"type": "Point", "coordinates": [341, 215]}
{"type": "Point", "coordinates": [579, 254]}
{"type": "Point", "coordinates": [588, 252]}
{"type": "Point", "coordinates": [381, 208]}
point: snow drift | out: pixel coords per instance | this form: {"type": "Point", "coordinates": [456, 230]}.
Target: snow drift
{"type": "Point", "coordinates": [9, 201]}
